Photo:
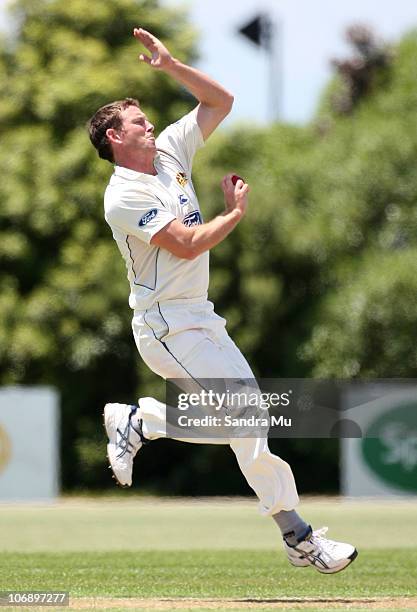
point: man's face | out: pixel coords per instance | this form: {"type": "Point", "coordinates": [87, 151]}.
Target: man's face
{"type": "Point", "coordinates": [136, 131]}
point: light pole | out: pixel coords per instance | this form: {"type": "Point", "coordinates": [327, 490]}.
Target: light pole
{"type": "Point", "coordinates": [266, 33]}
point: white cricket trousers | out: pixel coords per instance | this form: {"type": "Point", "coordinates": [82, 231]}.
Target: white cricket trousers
{"type": "Point", "coordinates": [181, 340]}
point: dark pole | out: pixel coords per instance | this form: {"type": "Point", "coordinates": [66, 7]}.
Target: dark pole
{"type": "Point", "coordinates": [267, 34]}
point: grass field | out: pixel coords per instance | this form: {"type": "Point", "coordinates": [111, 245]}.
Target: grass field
{"type": "Point", "coordinates": [149, 554]}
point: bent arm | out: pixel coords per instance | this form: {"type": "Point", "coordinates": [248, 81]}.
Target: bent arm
{"type": "Point", "coordinates": [215, 101]}
{"type": "Point", "coordinates": [189, 242]}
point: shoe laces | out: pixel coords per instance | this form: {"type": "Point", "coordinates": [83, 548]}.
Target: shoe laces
{"type": "Point", "coordinates": [125, 445]}
{"type": "Point", "coordinates": [318, 539]}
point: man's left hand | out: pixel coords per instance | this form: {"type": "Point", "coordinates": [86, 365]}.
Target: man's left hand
{"type": "Point", "coordinates": [161, 57]}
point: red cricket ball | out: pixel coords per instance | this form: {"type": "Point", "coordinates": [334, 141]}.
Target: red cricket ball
{"type": "Point", "coordinates": [236, 178]}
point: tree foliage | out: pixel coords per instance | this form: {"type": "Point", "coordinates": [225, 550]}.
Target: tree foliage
{"type": "Point", "coordinates": [63, 306]}
{"type": "Point", "coordinates": [365, 318]}
{"type": "Point", "coordinates": [329, 243]}
{"type": "Point", "coordinates": [362, 71]}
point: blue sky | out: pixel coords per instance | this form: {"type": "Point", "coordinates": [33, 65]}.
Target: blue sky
{"type": "Point", "coordinates": [312, 33]}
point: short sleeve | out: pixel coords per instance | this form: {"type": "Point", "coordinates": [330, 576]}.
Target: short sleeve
{"type": "Point", "coordinates": [139, 216]}
{"type": "Point", "coordinates": [182, 139]}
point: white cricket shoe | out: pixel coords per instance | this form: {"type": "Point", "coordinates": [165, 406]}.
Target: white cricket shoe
{"type": "Point", "coordinates": [125, 439]}
{"type": "Point", "coordinates": [327, 556]}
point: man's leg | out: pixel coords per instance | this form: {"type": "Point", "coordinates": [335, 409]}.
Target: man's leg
{"type": "Point", "coordinates": [193, 344]}
{"type": "Point", "coordinates": [180, 344]}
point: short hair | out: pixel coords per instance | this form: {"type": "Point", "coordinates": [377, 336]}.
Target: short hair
{"type": "Point", "coordinates": [106, 117]}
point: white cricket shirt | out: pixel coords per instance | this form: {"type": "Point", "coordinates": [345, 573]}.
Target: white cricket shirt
{"type": "Point", "coordinates": [138, 205]}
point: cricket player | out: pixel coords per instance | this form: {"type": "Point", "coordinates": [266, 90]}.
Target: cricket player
{"type": "Point", "coordinates": [153, 211]}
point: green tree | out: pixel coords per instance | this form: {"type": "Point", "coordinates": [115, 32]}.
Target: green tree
{"type": "Point", "coordinates": [64, 318]}
{"type": "Point", "coordinates": [323, 266]}
{"type": "Point", "coordinates": [367, 205]}
{"type": "Point", "coordinates": [320, 280]}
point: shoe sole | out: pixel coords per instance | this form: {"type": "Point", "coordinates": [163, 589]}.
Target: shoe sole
{"type": "Point", "coordinates": [351, 558]}
{"type": "Point", "coordinates": [109, 434]}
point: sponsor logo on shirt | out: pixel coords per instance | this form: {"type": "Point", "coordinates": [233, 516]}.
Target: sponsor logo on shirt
{"type": "Point", "coordinates": [183, 199]}
{"type": "Point", "coordinates": [193, 218]}
{"type": "Point", "coordinates": [148, 216]}
{"type": "Point", "coordinates": [181, 179]}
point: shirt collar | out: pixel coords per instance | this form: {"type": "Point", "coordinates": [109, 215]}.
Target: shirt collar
{"type": "Point", "coordinates": [133, 175]}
